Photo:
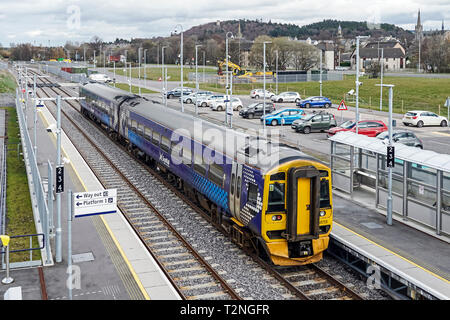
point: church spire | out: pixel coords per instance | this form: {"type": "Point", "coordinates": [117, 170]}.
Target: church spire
{"type": "Point", "coordinates": [419, 28]}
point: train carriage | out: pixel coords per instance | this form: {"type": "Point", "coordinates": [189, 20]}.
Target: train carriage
{"type": "Point", "coordinates": [265, 195]}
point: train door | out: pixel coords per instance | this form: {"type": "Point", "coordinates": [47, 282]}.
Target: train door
{"type": "Point", "coordinates": [235, 190]}
{"type": "Point", "coordinates": [303, 203]}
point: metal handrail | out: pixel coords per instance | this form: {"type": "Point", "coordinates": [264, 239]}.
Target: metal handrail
{"type": "Point", "coordinates": [29, 235]}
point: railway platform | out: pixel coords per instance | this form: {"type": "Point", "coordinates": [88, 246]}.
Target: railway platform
{"type": "Point", "coordinates": [113, 263]}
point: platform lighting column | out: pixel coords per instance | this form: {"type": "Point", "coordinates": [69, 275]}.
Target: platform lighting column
{"type": "Point", "coordinates": [58, 240]}
{"type": "Point", "coordinates": [139, 57]}
{"type": "Point", "coordinates": [84, 54]}
{"type": "Point", "coordinates": [276, 73]}
{"type": "Point", "coordinates": [94, 60]}
{"type": "Point", "coordinates": [35, 117]}
{"type": "Point", "coordinates": [320, 80]}
{"type": "Point", "coordinates": [69, 241]}
{"type": "Point", "coordinates": [181, 60]}
{"type": "Point", "coordinates": [264, 77]}
{"type": "Point", "coordinates": [196, 76]}
{"type": "Point", "coordinates": [381, 77]}
{"type": "Point", "coordinates": [389, 199]}
{"type": "Point", "coordinates": [357, 85]}
{"type": "Point", "coordinates": [114, 80]}
{"type": "Point", "coordinates": [130, 78]}
{"type": "Point", "coordinates": [227, 88]}
{"type": "Point", "coordinates": [145, 68]}
{"type": "Point", "coordinates": [204, 64]}
{"type": "Point", "coordinates": [163, 75]}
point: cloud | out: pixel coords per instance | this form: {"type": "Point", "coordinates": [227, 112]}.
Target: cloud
{"type": "Point", "coordinates": [44, 20]}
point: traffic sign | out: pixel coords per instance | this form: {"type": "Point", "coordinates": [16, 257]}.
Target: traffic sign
{"type": "Point", "coordinates": [94, 203]}
{"type": "Point", "coordinates": [60, 179]}
{"type": "Point", "coordinates": [390, 157]}
{"type": "Point", "coordinates": [342, 106]}
{"type": "Point", "coordinates": [447, 102]}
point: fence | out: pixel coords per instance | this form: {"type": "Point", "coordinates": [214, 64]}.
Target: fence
{"type": "Point", "coordinates": [35, 184]}
{"type": "Point", "coordinates": [72, 77]}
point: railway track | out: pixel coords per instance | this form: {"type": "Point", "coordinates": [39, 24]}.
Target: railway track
{"type": "Point", "coordinates": [307, 282]}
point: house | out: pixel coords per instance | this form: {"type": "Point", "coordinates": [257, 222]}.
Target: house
{"type": "Point", "coordinates": [393, 58]}
{"type": "Point", "coordinates": [328, 59]}
{"type": "Point", "coordinates": [385, 45]}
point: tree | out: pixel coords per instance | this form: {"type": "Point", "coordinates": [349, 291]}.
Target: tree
{"type": "Point", "coordinates": [373, 69]}
{"type": "Point", "coordinates": [305, 56]}
{"type": "Point", "coordinates": [96, 43]}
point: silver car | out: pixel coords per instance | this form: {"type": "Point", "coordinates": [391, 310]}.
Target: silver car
{"type": "Point", "coordinates": [220, 105]}
{"type": "Point", "coordinates": [192, 98]}
{"type": "Point", "coordinates": [206, 101]}
{"type": "Point", "coordinates": [287, 97]}
{"type": "Point", "coordinates": [405, 137]}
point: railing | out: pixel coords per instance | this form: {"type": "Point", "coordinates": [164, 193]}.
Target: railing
{"type": "Point", "coordinates": [31, 262]}
{"type": "Point", "coordinates": [36, 183]}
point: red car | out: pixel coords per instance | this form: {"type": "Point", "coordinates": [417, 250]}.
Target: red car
{"type": "Point", "coordinates": [370, 128]}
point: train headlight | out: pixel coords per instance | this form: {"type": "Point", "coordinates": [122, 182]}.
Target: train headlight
{"type": "Point", "coordinates": [277, 217]}
{"type": "Point", "coordinates": [322, 213]}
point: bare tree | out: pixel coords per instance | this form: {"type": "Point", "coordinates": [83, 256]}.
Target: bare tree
{"type": "Point", "coordinates": [304, 56]}
{"type": "Point", "coordinates": [96, 43]}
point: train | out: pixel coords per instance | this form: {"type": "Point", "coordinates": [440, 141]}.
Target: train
{"type": "Point", "coordinates": [267, 196]}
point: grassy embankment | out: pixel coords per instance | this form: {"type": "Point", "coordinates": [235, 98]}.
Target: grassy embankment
{"type": "Point", "coordinates": [409, 93]}
{"type": "Point", "coordinates": [154, 73]}
{"type": "Point", "coordinates": [18, 203]}
{"type": "Point", "coordinates": [134, 89]}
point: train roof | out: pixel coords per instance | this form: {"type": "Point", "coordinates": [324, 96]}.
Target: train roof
{"type": "Point", "coordinates": [259, 152]}
{"type": "Point", "coordinates": [108, 92]}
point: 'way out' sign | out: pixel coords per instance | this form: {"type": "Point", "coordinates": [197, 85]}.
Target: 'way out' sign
{"type": "Point", "coordinates": [94, 203]}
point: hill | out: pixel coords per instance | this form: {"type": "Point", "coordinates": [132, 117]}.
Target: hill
{"type": "Point", "coordinates": [323, 30]}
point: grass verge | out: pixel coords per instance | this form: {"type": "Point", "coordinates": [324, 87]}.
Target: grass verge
{"type": "Point", "coordinates": [154, 73]}
{"type": "Point", "coordinates": [134, 89]}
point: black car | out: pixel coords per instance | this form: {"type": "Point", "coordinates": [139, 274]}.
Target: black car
{"type": "Point", "coordinates": [256, 110]}
{"type": "Point", "coordinates": [175, 93]}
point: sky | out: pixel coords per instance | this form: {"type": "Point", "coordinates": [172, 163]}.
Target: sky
{"type": "Point", "coordinates": [55, 22]}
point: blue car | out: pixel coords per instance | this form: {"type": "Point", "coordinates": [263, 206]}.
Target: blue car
{"type": "Point", "coordinates": [313, 102]}
{"type": "Point", "coordinates": [283, 116]}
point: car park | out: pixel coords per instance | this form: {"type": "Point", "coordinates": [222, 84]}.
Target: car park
{"type": "Point", "coordinates": [287, 97]}
{"type": "Point", "coordinates": [192, 98]}
{"type": "Point", "coordinates": [314, 102]}
{"type": "Point", "coordinates": [370, 128]}
{"type": "Point", "coordinates": [256, 110]}
{"type": "Point", "coordinates": [177, 93]}
{"type": "Point", "coordinates": [422, 118]}
{"type": "Point", "coordinates": [314, 122]}
{"type": "Point", "coordinates": [259, 93]}
{"type": "Point", "coordinates": [220, 105]}
{"type": "Point", "coordinates": [283, 116]}
{"type": "Point", "coordinates": [206, 101]}
{"type": "Point", "coordinates": [402, 136]}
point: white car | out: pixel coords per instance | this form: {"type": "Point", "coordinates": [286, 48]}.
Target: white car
{"type": "Point", "coordinates": [259, 93]}
{"type": "Point", "coordinates": [100, 77]}
{"type": "Point", "coordinates": [287, 97]}
{"type": "Point", "coordinates": [192, 98]}
{"type": "Point", "coordinates": [206, 101]}
{"type": "Point", "coordinates": [422, 118]}
{"type": "Point", "coordinates": [220, 105]}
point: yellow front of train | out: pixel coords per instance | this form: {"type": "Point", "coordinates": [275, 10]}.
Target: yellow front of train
{"type": "Point", "coordinates": [297, 212]}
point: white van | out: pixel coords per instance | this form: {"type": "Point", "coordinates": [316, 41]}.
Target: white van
{"type": "Point", "coordinates": [100, 77]}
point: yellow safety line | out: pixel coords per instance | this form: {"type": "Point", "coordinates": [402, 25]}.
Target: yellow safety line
{"type": "Point", "coordinates": [136, 278]}
{"type": "Point", "coordinates": [396, 254]}
{"type": "Point", "coordinates": [442, 133]}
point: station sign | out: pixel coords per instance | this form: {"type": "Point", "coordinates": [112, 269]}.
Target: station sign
{"type": "Point", "coordinates": [94, 203]}
{"type": "Point", "coordinates": [39, 104]}
{"type": "Point", "coordinates": [390, 157]}
{"type": "Point", "coordinates": [59, 179]}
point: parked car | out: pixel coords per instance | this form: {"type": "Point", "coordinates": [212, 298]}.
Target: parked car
{"type": "Point", "coordinates": [205, 101]}
{"type": "Point", "coordinates": [314, 122]}
{"type": "Point", "coordinates": [287, 97]}
{"type": "Point", "coordinates": [177, 92]}
{"type": "Point", "coordinates": [103, 78]}
{"type": "Point", "coordinates": [256, 110]}
{"type": "Point", "coordinates": [192, 98]}
{"type": "Point", "coordinates": [370, 128]}
{"type": "Point", "coordinates": [283, 116]}
{"type": "Point", "coordinates": [259, 93]}
{"type": "Point", "coordinates": [423, 118]}
{"type": "Point", "coordinates": [312, 102]}
{"type": "Point", "coordinates": [402, 136]}
{"type": "Point", "coordinates": [220, 105]}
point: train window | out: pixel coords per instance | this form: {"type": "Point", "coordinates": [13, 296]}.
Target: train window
{"type": "Point", "coordinates": [147, 133]}
{"type": "Point", "coordinates": [133, 125]}
{"type": "Point", "coordinates": [252, 194]}
{"type": "Point", "coordinates": [324, 194]}
{"type": "Point", "coordinates": [278, 176]}
{"type": "Point", "coordinates": [216, 174]}
{"type": "Point", "coordinates": [140, 129]}
{"type": "Point", "coordinates": [187, 156]}
{"type": "Point", "coordinates": [199, 165]}
{"type": "Point", "coordinates": [155, 138]}
{"type": "Point", "coordinates": [176, 151]}
{"type": "Point", "coordinates": [165, 143]}
{"type": "Point", "coordinates": [276, 197]}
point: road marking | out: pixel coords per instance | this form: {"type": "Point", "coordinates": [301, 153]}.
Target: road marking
{"type": "Point", "coordinates": [441, 133]}
{"type": "Point", "coordinates": [445, 144]}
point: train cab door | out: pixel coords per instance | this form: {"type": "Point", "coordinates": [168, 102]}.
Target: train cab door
{"type": "Point", "coordinates": [235, 190]}
{"type": "Point", "coordinates": [303, 203]}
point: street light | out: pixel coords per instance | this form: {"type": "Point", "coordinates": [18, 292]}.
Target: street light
{"type": "Point", "coordinates": [181, 60]}
{"type": "Point", "coordinates": [357, 84]}
{"type": "Point", "coordinates": [196, 76]}
{"type": "Point", "coordinates": [163, 77]}
{"type": "Point", "coordinates": [381, 76]}
{"type": "Point", "coordinates": [276, 73]}
{"type": "Point", "coordinates": [229, 35]}
{"type": "Point", "coordinates": [139, 57]}
{"type": "Point", "coordinates": [264, 75]}
{"type": "Point", "coordinates": [145, 70]}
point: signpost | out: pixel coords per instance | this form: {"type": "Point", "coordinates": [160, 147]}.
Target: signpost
{"type": "Point", "coordinates": [447, 104]}
{"type": "Point", "coordinates": [94, 203]}
{"type": "Point", "coordinates": [342, 107]}
{"type": "Point", "coordinates": [59, 179]}
{"type": "Point", "coordinates": [390, 157]}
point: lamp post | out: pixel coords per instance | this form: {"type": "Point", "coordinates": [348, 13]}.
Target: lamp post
{"type": "Point", "coordinates": [163, 76]}
{"type": "Point", "coordinates": [139, 57]}
{"type": "Point", "coordinates": [181, 63]}
{"type": "Point", "coordinates": [94, 60]}
{"type": "Point", "coordinates": [357, 85]}
{"type": "Point", "coordinates": [381, 76]}
{"type": "Point", "coordinates": [264, 77]}
{"type": "Point", "coordinates": [320, 80]}
{"type": "Point", "coordinates": [276, 73]}
{"type": "Point", "coordinates": [196, 76]}
{"type": "Point", "coordinates": [145, 68]}
{"type": "Point", "coordinates": [227, 88]}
